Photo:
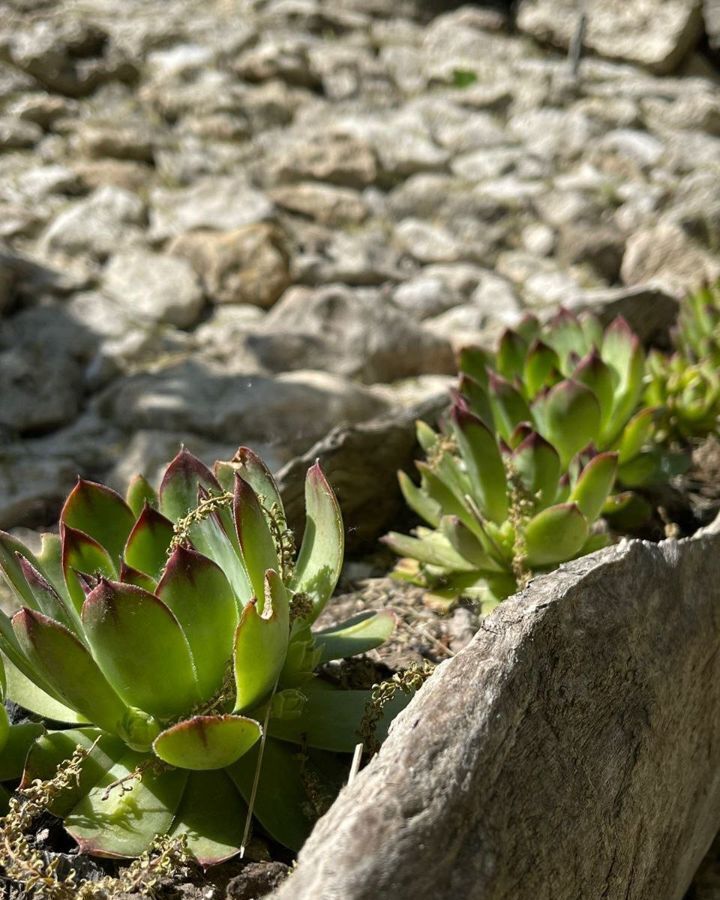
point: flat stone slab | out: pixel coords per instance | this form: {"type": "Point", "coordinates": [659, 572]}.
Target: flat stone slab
{"type": "Point", "coordinates": [571, 750]}
{"type": "Point", "coordinates": [656, 34]}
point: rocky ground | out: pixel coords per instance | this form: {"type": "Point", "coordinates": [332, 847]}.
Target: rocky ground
{"type": "Point", "coordinates": [250, 221]}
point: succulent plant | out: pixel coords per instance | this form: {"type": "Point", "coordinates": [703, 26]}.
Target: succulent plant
{"type": "Point", "coordinates": [172, 632]}
{"type": "Point", "coordinates": [687, 394]}
{"type": "Point", "coordinates": [579, 386]}
{"type": "Point", "coordinates": [698, 330]}
{"type": "Point", "coordinates": [685, 386]}
{"type": "Point", "coordinates": [499, 508]}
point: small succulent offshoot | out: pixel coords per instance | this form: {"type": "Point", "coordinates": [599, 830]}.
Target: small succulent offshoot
{"type": "Point", "coordinates": [686, 385]}
{"type": "Point", "coordinates": [698, 330]}
{"type": "Point", "coordinates": [688, 393]}
{"type": "Point", "coordinates": [171, 633]}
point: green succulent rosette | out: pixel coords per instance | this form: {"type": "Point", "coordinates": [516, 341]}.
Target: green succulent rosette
{"type": "Point", "coordinates": [497, 510]}
{"type": "Point", "coordinates": [579, 385]}
{"type": "Point", "coordinates": [170, 634]}
{"type": "Point", "coordinates": [524, 474]}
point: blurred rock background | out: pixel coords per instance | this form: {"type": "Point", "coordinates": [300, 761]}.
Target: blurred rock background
{"type": "Point", "coordinates": [252, 220]}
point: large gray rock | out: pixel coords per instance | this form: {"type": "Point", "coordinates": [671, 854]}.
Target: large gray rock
{"type": "Point", "coordinates": [359, 334]}
{"type": "Point", "coordinates": [361, 256]}
{"type": "Point", "coordinates": [324, 203]}
{"type": "Point", "coordinates": [571, 750]}
{"type": "Point", "coordinates": [41, 369]}
{"type": "Point", "coordinates": [154, 287]}
{"type": "Point", "coordinates": [336, 158]}
{"type": "Point", "coordinates": [32, 487]}
{"type": "Point", "coordinates": [248, 265]}
{"type": "Point", "coordinates": [666, 255]}
{"type": "Point", "coordinates": [220, 203]}
{"type": "Point", "coordinates": [107, 220]}
{"type": "Point", "coordinates": [68, 55]}
{"type": "Point", "coordinates": [653, 33]}
{"type": "Point", "coordinates": [293, 410]}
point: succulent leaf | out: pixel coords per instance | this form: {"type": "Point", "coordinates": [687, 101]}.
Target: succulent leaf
{"type": "Point", "coordinates": [480, 452]}
{"type": "Point", "coordinates": [128, 575]}
{"type": "Point", "coordinates": [20, 738]}
{"type": "Point", "coordinates": [636, 434]}
{"type": "Point", "coordinates": [50, 564]}
{"type": "Point", "coordinates": [508, 406]}
{"type": "Point", "coordinates": [281, 804]}
{"type": "Point", "coordinates": [510, 355]}
{"type": "Point", "coordinates": [179, 486]}
{"type": "Point", "coordinates": [211, 816]}
{"type": "Point", "coordinates": [642, 470]}
{"type": "Point", "coordinates": [256, 540]}
{"type": "Point", "coordinates": [528, 327]}
{"type": "Point", "coordinates": [303, 657]}
{"type": "Point", "coordinates": [446, 498]}
{"type": "Point", "coordinates": [62, 660]}
{"type": "Point", "coordinates": [418, 500]}
{"type": "Point", "coordinates": [357, 635]}
{"type": "Point", "coordinates": [478, 398]}
{"type": "Point", "coordinates": [47, 599]}
{"type": "Point", "coordinates": [147, 545]}
{"type": "Point", "coordinates": [83, 555]}
{"type": "Point", "coordinates": [426, 437]}
{"type": "Point", "coordinates": [555, 534]}
{"type": "Point", "coordinates": [199, 595]}
{"type": "Point", "coordinates": [54, 747]}
{"type": "Point", "coordinates": [253, 470]}
{"type": "Point", "coordinates": [139, 494]}
{"type": "Point", "coordinates": [467, 544]}
{"type": "Point", "coordinates": [261, 643]}
{"type": "Point", "coordinates": [215, 536]}
{"type": "Point", "coordinates": [541, 363]}
{"type": "Point", "coordinates": [28, 689]}
{"type": "Point", "coordinates": [434, 552]}
{"type": "Point", "coordinates": [569, 418]}
{"type": "Point", "coordinates": [596, 375]}
{"type": "Point", "coordinates": [131, 816]}
{"type": "Point", "coordinates": [119, 619]}
{"type": "Point", "coordinates": [207, 742]}
{"type": "Point", "coordinates": [594, 485]}
{"type": "Point", "coordinates": [322, 550]}
{"type": "Point", "coordinates": [537, 463]}
{"type": "Point", "coordinates": [473, 361]}
{"type": "Point", "coordinates": [331, 718]}
{"type": "Point", "coordinates": [565, 334]}
{"type": "Point", "coordinates": [591, 328]}
{"type": "Point", "coordinates": [100, 513]}
{"type": "Point", "coordinates": [622, 351]}
{"type": "Point", "coordinates": [11, 551]}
